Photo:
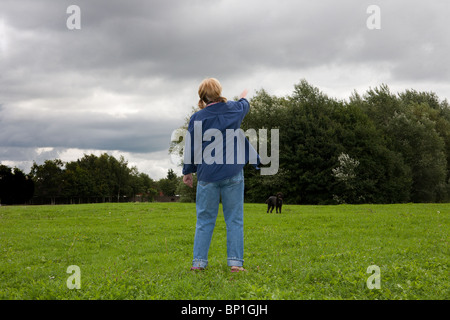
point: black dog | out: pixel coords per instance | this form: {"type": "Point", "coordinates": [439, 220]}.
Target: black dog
{"type": "Point", "coordinates": [275, 201]}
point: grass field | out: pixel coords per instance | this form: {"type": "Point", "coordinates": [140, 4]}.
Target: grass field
{"type": "Point", "coordinates": [144, 251]}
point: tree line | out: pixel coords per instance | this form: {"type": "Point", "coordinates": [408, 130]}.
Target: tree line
{"type": "Point", "coordinates": [89, 179]}
{"type": "Point", "coordinates": [378, 147]}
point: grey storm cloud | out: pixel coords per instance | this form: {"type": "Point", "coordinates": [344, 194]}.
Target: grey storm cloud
{"type": "Point", "coordinates": [97, 131]}
{"type": "Point", "coordinates": [128, 77]}
{"type": "Point", "coordinates": [175, 39]}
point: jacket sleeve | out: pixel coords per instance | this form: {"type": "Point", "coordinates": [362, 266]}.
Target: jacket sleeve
{"type": "Point", "coordinates": [245, 106]}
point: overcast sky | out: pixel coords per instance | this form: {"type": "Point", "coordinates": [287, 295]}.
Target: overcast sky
{"type": "Point", "coordinates": [124, 81]}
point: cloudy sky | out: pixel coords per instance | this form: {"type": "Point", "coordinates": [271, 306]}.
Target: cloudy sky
{"type": "Point", "coordinates": [124, 81]}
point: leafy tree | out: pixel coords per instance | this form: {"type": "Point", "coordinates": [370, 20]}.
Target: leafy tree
{"type": "Point", "coordinates": [48, 179]}
{"type": "Point", "coordinates": [409, 123]}
{"type": "Point", "coordinates": [121, 174]}
{"type": "Point", "coordinates": [168, 185]}
{"type": "Point", "coordinates": [423, 150]}
{"type": "Point", "coordinates": [171, 175]}
{"type": "Point", "coordinates": [381, 176]}
{"type": "Point", "coordinates": [15, 186]}
{"type": "Point", "coordinates": [142, 184]}
{"type": "Point", "coordinates": [427, 105]}
{"type": "Point", "coordinates": [79, 182]}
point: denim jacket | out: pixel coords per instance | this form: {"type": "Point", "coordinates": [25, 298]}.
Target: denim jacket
{"type": "Point", "coordinates": [215, 146]}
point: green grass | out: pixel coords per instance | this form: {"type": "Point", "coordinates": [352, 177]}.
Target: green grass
{"type": "Point", "coordinates": [144, 251]}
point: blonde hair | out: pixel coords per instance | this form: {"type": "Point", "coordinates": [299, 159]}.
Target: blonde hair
{"type": "Point", "coordinates": [209, 91]}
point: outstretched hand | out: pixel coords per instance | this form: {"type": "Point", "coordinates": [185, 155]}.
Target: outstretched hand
{"type": "Point", "coordinates": [243, 94]}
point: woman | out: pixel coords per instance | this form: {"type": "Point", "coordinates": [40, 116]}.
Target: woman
{"type": "Point", "coordinates": [220, 179]}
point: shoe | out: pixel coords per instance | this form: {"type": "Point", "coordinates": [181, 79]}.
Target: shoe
{"type": "Point", "coordinates": [197, 268]}
{"type": "Point", "coordinates": [237, 269]}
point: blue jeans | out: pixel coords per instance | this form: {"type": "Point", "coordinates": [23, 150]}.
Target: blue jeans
{"type": "Point", "coordinates": [207, 203]}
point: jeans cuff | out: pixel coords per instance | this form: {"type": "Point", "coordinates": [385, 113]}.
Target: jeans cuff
{"type": "Point", "coordinates": [199, 263]}
{"type": "Point", "coordinates": [235, 262]}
